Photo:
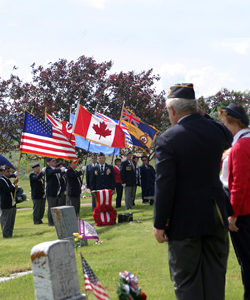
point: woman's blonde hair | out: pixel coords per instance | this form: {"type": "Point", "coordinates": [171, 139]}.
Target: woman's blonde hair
{"type": "Point", "coordinates": [224, 115]}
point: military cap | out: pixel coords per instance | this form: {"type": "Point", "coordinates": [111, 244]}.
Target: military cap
{"type": "Point", "coordinates": [182, 90]}
{"type": "Point", "coordinates": [35, 165]}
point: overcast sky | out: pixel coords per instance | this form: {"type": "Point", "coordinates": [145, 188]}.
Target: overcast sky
{"type": "Point", "coordinates": [204, 42]}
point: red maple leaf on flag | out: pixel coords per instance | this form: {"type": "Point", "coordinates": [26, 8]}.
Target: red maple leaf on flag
{"type": "Point", "coordinates": [102, 131]}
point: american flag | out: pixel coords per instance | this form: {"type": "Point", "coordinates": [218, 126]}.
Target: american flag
{"type": "Point", "coordinates": [64, 126]}
{"type": "Point", "coordinates": [128, 139]}
{"type": "Point", "coordinates": [91, 281]}
{"type": "Point", "coordinates": [41, 138]}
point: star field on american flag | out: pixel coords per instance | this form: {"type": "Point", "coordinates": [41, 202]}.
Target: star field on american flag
{"type": "Point", "coordinates": [36, 125]}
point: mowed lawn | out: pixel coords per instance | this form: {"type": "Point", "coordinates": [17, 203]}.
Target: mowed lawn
{"type": "Point", "coordinates": [126, 246]}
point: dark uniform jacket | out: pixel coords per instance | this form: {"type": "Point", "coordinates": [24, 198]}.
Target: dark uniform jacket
{"type": "Point", "coordinates": [74, 182]}
{"type": "Point", "coordinates": [89, 174]}
{"type": "Point", "coordinates": [6, 190]}
{"type": "Point", "coordinates": [52, 182]}
{"type": "Point", "coordinates": [37, 185]}
{"type": "Point", "coordinates": [128, 173]}
{"type": "Point", "coordinates": [103, 180]}
{"type": "Point", "coordinates": [147, 174]}
{"type": "Point", "coordinates": [188, 157]}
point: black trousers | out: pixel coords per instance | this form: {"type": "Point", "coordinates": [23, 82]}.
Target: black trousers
{"type": "Point", "coordinates": [75, 201]}
{"type": "Point", "coordinates": [52, 202]}
{"type": "Point", "coordinates": [241, 243]}
{"type": "Point", "coordinates": [38, 210]}
{"type": "Point", "coordinates": [119, 190]}
{"type": "Point", "coordinates": [198, 265]}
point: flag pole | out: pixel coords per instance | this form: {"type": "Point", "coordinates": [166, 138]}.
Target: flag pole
{"type": "Point", "coordinates": [123, 104]}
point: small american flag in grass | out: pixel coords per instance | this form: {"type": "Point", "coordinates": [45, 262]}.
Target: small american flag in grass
{"type": "Point", "coordinates": [91, 281]}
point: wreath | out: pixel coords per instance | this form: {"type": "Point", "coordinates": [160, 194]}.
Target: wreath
{"type": "Point", "coordinates": [104, 209]}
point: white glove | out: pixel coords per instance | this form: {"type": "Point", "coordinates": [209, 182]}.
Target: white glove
{"type": "Point", "coordinates": [43, 170]}
{"type": "Point", "coordinates": [66, 170]}
{"type": "Point", "coordinates": [124, 185]}
{"type": "Point", "coordinates": [63, 169]}
{"type": "Point", "coordinates": [15, 173]}
{"type": "Point", "coordinates": [83, 168]}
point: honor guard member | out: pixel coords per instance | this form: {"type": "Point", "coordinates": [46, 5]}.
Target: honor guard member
{"type": "Point", "coordinates": [63, 184]}
{"type": "Point", "coordinates": [37, 193]}
{"type": "Point", "coordinates": [104, 175]}
{"type": "Point", "coordinates": [89, 176]}
{"type": "Point", "coordinates": [8, 203]}
{"type": "Point", "coordinates": [128, 177]}
{"type": "Point", "coordinates": [118, 182]}
{"type": "Point", "coordinates": [190, 204]}
{"type": "Point", "coordinates": [53, 186]}
{"type": "Point", "coordinates": [147, 173]}
{"type": "Point", "coordinates": [74, 185]}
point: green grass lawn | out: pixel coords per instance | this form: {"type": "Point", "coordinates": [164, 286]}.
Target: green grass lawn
{"type": "Point", "coordinates": [126, 246]}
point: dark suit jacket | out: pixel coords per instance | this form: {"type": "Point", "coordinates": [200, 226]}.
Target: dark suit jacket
{"type": "Point", "coordinates": [6, 189]}
{"type": "Point", "coordinates": [89, 174]}
{"type": "Point", "coordinates": [52, 182]}
{"type": "Point", "coordinates": [74, 182]}
{"type": "Point", "coordinates": [105, 180]}
{"type": "Point", "coordinates": [128, 174]}
{"type": "Point", "coordinates": [188, 157]}
{"type": "Point", "coordinates": [147, 178]}
{"type": "Point", "coordinates": [37, 185]}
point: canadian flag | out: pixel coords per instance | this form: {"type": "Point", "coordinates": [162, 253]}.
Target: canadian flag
{"type": "Point", "coordinates": [97, 130]}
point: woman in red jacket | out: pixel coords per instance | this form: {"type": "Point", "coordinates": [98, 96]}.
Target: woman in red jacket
{"type": "Point", "coordinates": [236, 120]}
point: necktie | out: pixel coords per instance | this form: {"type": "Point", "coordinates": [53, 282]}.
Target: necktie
{"type": "Point", "coordinates": [102, 169]}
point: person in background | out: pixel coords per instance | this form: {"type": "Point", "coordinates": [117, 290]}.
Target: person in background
{"type": "Point", "coordinates": [147, 173]}
{"type": "Point", "coordinates": [8, 203]}
{"type": "Point", "coordinates": [37, 193]}
{"type": "Point", "coordinates": [137, 175]}
{"type": "Point", "coordinates": [128, 177]}
{"type": "Point", "coordinates": [89, 176]}
{"type": "Point", "coordinates": [53, 186]}
{"type": "Point", "coordinates": [118, 182]}
{"type": "Point", "coordinates": [75, 185]}
{"type": "Point", "coordinates": [63, 184]}
{"type": "Point", "coordinates": [103, 175]}
{"type": "Point", "coordinates": [190, 211]}
{"type": "Point", "coordinates": [236, 178]}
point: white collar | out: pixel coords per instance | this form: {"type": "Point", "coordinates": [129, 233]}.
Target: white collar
{"type": "Point", "coordinates": [238, 134]}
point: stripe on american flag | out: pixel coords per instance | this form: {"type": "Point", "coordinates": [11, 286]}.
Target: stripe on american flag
{"type": "Point", "coordinates": [91, 281]}
{"type": "Point", "coordinates": [43, 139]}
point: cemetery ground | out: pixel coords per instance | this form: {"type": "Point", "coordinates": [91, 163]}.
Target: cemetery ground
{"type": "Point", "coordinates": [126, 246]}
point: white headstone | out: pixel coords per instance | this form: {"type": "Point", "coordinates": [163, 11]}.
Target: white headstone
{"type": "Point", "coordinates": [55, 272]}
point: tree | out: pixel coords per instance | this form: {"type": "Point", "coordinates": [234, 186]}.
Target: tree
{"type": "Point", "coordinates": [60, 86]}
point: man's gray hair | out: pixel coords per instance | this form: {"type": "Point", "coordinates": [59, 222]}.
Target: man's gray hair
{"type": "Point", "coordinates": [181, 105]}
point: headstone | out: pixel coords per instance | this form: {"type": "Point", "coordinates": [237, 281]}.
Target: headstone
{"type": "Point", "coordinates": [54, 271]}
{"type": "Point", "coordinates": [65, 221]}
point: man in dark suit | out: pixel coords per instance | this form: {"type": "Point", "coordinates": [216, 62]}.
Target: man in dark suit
{"type": "Point", "coordinates": [89, 176]}
{"type": "Point", "coordinates": [8, 203]}
{"type": "Point", "coordinates": [104, 175]}
{"type": "Point", "coordinates": [190, 211]}
{"type": "Point", "coordinates": [74, 185]}
{"type": "Point", "coordinates": [147, 174]}
{"type": "Point", "coordinates": [53, 186]}
{"type": "Point", "coordinates": [63, 185]}
{"type": "Point", "coordinates": [37, 193]}
{"type": "Point", "coordinates": [128, 177]}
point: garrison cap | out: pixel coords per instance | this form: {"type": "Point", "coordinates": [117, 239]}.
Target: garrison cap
{"type": "Point", "coordinates": [182, 90]}
{"type": "Point", "coordinates": [35, 165]}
